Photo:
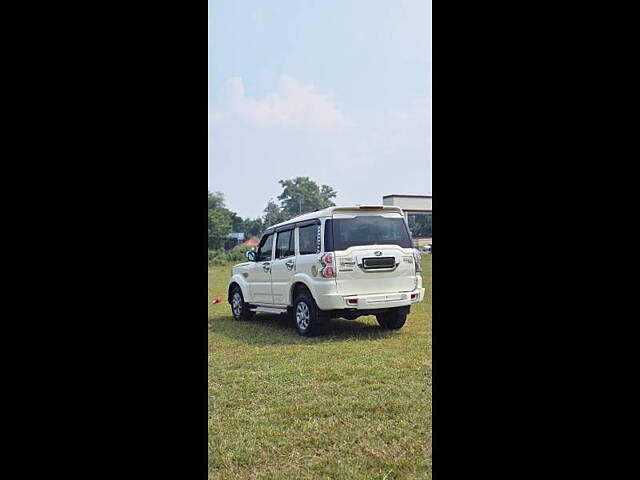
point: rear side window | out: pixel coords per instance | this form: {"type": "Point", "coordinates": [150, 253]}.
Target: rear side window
{"type": "Point", "coordinates": [284, 244]}
{"type": "Point", "coordinates": [308, 239]}
{"type": "Point", "coordinates": [328, 235]}
{"type": "Point", "coordinates": [370, 230]}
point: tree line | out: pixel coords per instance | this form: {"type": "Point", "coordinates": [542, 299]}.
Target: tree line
{"type": "Point", "coordinates": [299, 195]}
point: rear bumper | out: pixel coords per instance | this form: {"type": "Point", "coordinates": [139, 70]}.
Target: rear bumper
{"type": "Point", "coordinates": [332, 301]}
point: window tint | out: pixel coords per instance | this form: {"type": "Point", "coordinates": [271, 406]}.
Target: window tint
{"type": "Point", "coordinates": [284, 244]}
{"type": "Point", "coordinates": [308, 239]}
{"type": "Point", "coordinates": [264, 251]}
{"type": "Point", "coordinates": [370, 230]}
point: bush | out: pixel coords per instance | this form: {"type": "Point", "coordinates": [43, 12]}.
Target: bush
{"type": "Point", "coordinates": [216, 257]}
{"type": "Point", "coordinates": [220, 257]}
{"type": "Point", "coordinates": [238, 254]}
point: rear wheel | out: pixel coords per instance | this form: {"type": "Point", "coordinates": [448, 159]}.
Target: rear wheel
{"type": "Point", "coordinates": [393, 319]}
{"type": "Point", "coordinates": [239, 308]}
{"type": "Point", "coordinates": [307, 315]}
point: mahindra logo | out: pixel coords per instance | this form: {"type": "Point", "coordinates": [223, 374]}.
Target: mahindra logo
{"type": "Point", "coordinates": [378, 253]}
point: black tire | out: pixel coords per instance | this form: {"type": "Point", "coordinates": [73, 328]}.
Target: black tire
{"type": "Point", "coordinates": [307, 317]}
{"type": "Point", "coordinates": [393, 319]}
{"type": "Point", "coordinates": [240, 310]}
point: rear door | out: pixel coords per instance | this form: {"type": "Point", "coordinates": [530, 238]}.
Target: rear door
{"type": "Point", "coordinates": [283, 266]}
{"type": "Point", "coordinates": [308, 248]}
{"type": "Point", "coordinates": [374, 253]}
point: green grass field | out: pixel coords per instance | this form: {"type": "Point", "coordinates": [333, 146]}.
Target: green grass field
{"type": "Point", "coordinates": [354, 403]}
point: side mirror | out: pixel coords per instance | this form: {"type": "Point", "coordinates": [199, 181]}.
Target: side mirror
{"type": "Point", "coordinates": [251, 256]}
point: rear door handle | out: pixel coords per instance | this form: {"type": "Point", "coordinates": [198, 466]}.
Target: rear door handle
{"type": "Point", "coordinates": [290, 264]}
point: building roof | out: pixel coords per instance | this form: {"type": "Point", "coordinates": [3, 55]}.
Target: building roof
{"type": "Point", "coordinates": [407, 196]}
{"type": "Point", "coordinates": [251, 242]}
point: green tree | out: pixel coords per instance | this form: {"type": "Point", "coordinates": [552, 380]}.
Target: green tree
{"type": "Point", "coordinates": [216, 200]}
{"type": "Point", "coordinates": [237, 223]}
{"type": "Point", "coordinates": [273, 214]}
{"type": "Point", "coordinates": [219, 219]}
{"type": "Point", "coordinates": [302, 195]}
{"type": "Point", "coordinates": [253, 227]}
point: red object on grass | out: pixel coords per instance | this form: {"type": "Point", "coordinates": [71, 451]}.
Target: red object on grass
{"type": "Point", "coordinates": [217, 300]}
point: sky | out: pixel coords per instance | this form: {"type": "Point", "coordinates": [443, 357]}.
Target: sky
{"type": "Point", "coordinates": [336, 90]}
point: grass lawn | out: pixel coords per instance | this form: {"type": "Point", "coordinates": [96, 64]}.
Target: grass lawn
{"type": "Point", "coordinates": [353, 403]}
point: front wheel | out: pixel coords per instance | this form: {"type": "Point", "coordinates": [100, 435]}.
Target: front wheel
{"type": "Point", "coordinates": [239, 308]}
{"type": "Point", "coordinates": [393, 319]}
{"type": "Point", "coordinates": [306, 315]}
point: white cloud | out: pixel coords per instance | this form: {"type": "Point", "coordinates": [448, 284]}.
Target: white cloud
{"type": "Point", "coordinates": [299, 131]}
{"type": "Point", "coordinates": [294, 104]}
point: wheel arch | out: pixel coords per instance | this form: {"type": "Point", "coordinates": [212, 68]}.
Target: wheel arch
{"type": "Point", "coordinates": [296, 286]}
{"type": "Point", "coordinates": [243, 288]}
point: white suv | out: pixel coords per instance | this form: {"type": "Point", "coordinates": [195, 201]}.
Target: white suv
{"type": "Point", "coordinates": [337, 262]}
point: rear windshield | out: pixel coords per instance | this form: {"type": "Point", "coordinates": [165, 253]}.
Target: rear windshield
{"type": "Point", "coordinates": [369, 230]}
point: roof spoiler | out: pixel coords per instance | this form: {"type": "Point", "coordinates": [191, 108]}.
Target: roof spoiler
{"type": "Point", "coordinates": [385, 208]}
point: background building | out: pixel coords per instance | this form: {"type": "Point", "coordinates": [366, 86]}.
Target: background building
{"type": "Point", "coordinates": [417, 210]}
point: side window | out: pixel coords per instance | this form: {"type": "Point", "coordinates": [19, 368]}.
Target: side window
{"type": "Point", "coordinates": [284, 244]}
{"type": "Point", "coordinates": [264, 251]}
{"type": "Point", "coordinates": [308, 239]}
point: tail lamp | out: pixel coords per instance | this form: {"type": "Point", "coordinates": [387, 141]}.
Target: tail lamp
{"type": "Point", "coordinates": [327, 270]}
{"type": "Point", "coordinates": [418, 260]}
